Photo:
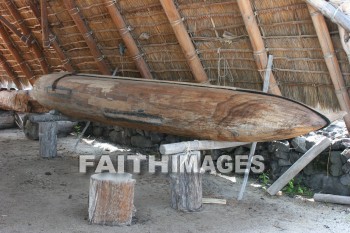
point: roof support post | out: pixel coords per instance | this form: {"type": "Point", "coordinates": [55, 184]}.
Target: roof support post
{"type": "Point", "coordinates": [10, 72]}
{"type": "Point", "coordinates": [128, 39]}
{"type": "Point", "coordinates": [184, 40]}
{"type": "Point", "coordinates": [331, 62]}
{"type": "Point", "coordinates": [260, 54]}
{"type": "Point", "coordinates": [12, 48]}
{"type": "Point", "coordinates": [55, 44]}
{"type": "Point", "coordinates": [26, 31]}
{"type": "Point", "coordinates": [74, 12]}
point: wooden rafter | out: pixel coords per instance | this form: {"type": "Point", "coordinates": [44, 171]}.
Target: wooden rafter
{"type": "Point", "coordinates": [12, 48]}
{"type": "Point", "coordinates": [44, 24]}
{"type": "Point", "coordinates": [13, 29]}
{"type": "Point", "coordinates": [74, 12]}
{"type": "Point", "coordinates": [331, 62]}
{"type": "Point", "coordinates": [184, 41]}
{"type": "Point", "coordinates": [27, 32]}
{"type": "Point", "coordinates": [260, 54]}
{"type": "Point", "coordinates": [12, 75]}
{"type": "Point", "coordinates": [128, 39]}
{"type": "Point", "coordinates": [54, 42]}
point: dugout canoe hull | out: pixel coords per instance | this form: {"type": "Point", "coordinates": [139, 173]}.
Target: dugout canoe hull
{"type": "Point", "coordinates": [186, 109]}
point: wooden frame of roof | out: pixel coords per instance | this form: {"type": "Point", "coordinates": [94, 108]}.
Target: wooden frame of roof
{"type": "Point", "coordinates": [9, 70]}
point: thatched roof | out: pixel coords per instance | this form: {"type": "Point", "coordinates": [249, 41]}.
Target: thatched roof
{"type": "Point", "coordinates": [217, 31]}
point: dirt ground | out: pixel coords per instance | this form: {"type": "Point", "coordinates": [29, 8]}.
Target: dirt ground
{"type": "Point", "coordinates": [41, 195]}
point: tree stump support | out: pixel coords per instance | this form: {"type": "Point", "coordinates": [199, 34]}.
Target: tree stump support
{"type": "Point", "coordinates": [111, 199]}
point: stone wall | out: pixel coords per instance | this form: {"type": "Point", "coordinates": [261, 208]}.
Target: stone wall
{"type": "Point", "coordinates": [328, 173]}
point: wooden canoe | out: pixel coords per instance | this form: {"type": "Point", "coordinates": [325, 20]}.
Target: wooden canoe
{"type": "Point", "coordinates": [19, 101]}
{"type": "Point", "coordinates": [186, 109]}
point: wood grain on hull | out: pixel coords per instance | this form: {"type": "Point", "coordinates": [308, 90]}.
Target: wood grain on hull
{"type": "Point", "coordinates": [194, 110]}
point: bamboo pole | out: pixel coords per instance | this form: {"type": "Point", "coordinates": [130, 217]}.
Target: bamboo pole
{"type": "Point", "coordinates": [128, 39]}
{"type": "Point", "coordinates": [74, 12]}
{"type": "Point", "coordinates": [44, 24]}
{"type": "Point", "coordinates": [17, 56]}
{"type": "Point", "coordinates": [331, 62]}
{"type": "Point", "coordinates": [260, 54]}
{"type": "Point", "coordinates": [27, 32]}
{"type": "Point", "coordinates": [184, 41]}
{"type": "Point", "coordinates": [54, 42]}
{"type": "Point", "coordinates": [10, 72]}
{"type": "Point", "coordinates": [331, 12]}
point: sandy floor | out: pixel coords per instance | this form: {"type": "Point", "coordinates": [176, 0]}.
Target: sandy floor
{"type": "Point", "coordinates": [32, 200]}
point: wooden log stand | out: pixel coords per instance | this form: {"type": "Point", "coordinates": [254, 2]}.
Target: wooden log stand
{"type": "Point", "coordinates": [186, 186]}
{"type": "Point", "coordinates": [111, 199]}
{"type": "Point", "coordinates": [7, 119]}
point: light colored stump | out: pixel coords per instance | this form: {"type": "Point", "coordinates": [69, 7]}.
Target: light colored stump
{"type": "Point", "coordinates": [186, 186]}
{"type": "Point", "coordinates": [328, 198]}
{"type": "Point", "coordinates": [111, 199]}
{"type": "Point", "coordinates": [48, 139]}
{"type": "Point", "coordinates": [299, 165]}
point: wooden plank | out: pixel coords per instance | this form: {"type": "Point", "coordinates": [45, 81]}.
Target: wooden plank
{"type": "Point", "coordinates": [299, 165]}
{"type": "Point", "coordinates": [341, 90]}
{"type": "Point", "coordinates": [48, 139]}
{"type": "Point", "coordinates": [180, 147]}
{"type": "Point", "coordinates": [184, 40]}
{"type": "Point", "coordinates": [328, 198]}
{"type": "Point", "coordinates": [128, 39]}
{"type": "Point", "coordinates": [77, 17]}
{"type": "Point", "coordinates": [193, 110]}
{"type": "Point", "coordinates": [331, 12]}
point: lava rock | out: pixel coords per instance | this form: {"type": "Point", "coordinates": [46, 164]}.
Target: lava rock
{"type": "Point", "coordinates": [332, 185]}
{"type": "Point", "coordinates": [336, 157]}
{"type": "Point", "coordinates": [282, 155]}
{"type": "Point", "coordinates": [156, 137]}
{"type": "Point", "coordinates": [141, 142]}
{"type": "Point", "coordinates": [299, 144]}
{"type": "Point", "coordinates": [346, 168]}
{"type": "Point", "coordinates": [293, 157]}
{"type": "Point", "coordinates": [345, 179]}
{"type": "Point", "coordinates": [97, 131]}
{"type": "Point", "coordinates": [309, 170]}
{"type": "Point", "coordinates": [336, 170]}
{"type": "Point", "coordinates": [279, 146]}
{"type": "Point", "coordinates": [283, 163]}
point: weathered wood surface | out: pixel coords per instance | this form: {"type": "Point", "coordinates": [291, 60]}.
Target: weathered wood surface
{"type": "Point", "coordinates": [19, 101]}
{"type": "Point", "coordinates": [7, 119]}
{"type": "Point", "coordinates": [193, 110]}
{"type": "Point", "coordinates": [328, 198]}
{"type": "Point", "coordinates": [111, 199]}
{"type": "Point", "coordinates": [299, 165]}
{"type": "Point", "coordinates": [186, 186]}
{"type": "Point", "coordinates": [48, 139]}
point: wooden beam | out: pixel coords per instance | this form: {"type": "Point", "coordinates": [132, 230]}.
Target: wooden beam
{"type": "Point", "coordinates": [328, 198]}
{"type": "Point", "coordinates": [128, 39]}
{"type": "Point", "coordinates": [27, 32]}
{"type": "Point", "coordinates": [12, 28]}
{"type": "Point", "coordinates": [332, 63]}
{"type": "Point", "coordinates": [331, 12]}
{"type": "Point", "coordinates": [44, 24]}
{"type": "Point", "coordinates": [260, 54]}
{"type": "Point", "coordinates": [12, 75]}
{"type": "Point", "coordinates": [54, 42]}
{"type": "Point", "coordinates": [74, 12]}
{"type": "Point", "coordinates": [17, 56]}
{"type": "Point", "coordinates": [20, 101]}
{"type": "Point", "coordinates": [184, 41]}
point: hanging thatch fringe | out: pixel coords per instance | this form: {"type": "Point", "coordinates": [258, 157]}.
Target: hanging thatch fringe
{"type": "Point", "coordinates": [10, 72]}
{"type": "Point", "coordinates": [184, 40]}
{"type": "Point", "coordinates": [14, 52]}
{"type": "Point", "coordinates": [56, 46]}
{"type": "Point", "coordinates": [331, 62]}
{"type": "Point", "coordinates": [26, 31]}
{"type": "Point", "coordinates": [257, 42]}
{"type": "Point", "coordinates": [128, 39]}
{"type": "Point", "coordinates": [74, 12]}
{"type": "Point", "coordinates": [335, 14]}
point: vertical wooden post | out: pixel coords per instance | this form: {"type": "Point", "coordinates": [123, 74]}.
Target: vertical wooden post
{"type": "Point", "coordinates": [48, 139]}
{"type": "Point", "coordinates": [257, 42]}
{"type": "Point", "coordinates": [128, 40]}
{"type": "Point", "coordinates": [111, 199]}
{"type": "Point", "coordinates": [14, 52]}
{"type": "Point", "coordinates": [26, 31]}
{"type": "Point", "coordinates": [10, 72]}
{"type": "Point", "coordinates": [332, 63]}
{"type": "Point", "coordinates": [74, 12]}
{"type": "Point", "coordinates": [184, 41]}
{"type": "Point", "coordinates": [44, 24]}
{"type": "Point", "coordinates": [186, 186]}
{"type": "Point", "coordinates": [55, 44]}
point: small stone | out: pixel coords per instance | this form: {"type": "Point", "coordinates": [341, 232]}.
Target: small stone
{"type": "Point", "coordinates": [97, 131]}
{"type": "Point", "coordinates": [282, 155]}
{"type": "Point", "coordinates": [345, 179]}
{"type": "Point", "coordinates": [70, 196]}
{"type": "Point", "coordinates": [171, 139]}
{"type": "Point", "coordinates": [335, 157]}
{"type": "Point", "coordinates": [293, 157]}
{"type": "Point", "coordinates": [48, 173]}
{"type": "Point", "coordinates": [336, 170]}
{"type": "Point", "coordinates": [279, 146]}
{"type": "Point", "coordinates": [274, 166]}
{"type": "Point", "coordinates": [140, 141]}
{"type": "Point", "coordinates": [346, 168]}
{"type": "Point", "coordinates": [283, 163]}
{"type": "Point", "coordinates": [299, 144]}
{"type": "Point", "coordinates": [309, 170]}
{"type": "Point", "coordinates": [140, 132]}
{"type": "Point", "coordinates": [156, 137]}
{"type": "Point", "coordinates": [240, 151]}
